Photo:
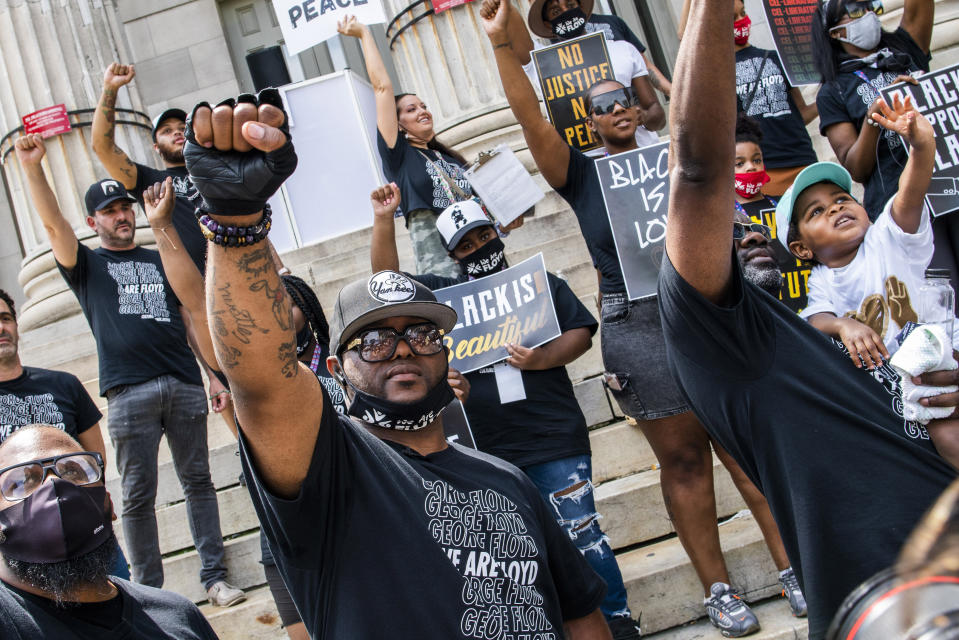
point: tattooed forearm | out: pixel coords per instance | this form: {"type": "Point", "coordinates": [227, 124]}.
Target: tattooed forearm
{"type": "Point", "coordinates": [282, 312]}
{"type": "Point", "coordinates": [245, 323]}
{"type": "Point", "coordinates": [228, 357]}
{"type": "Point", "coordinates": [287, 355]}
{"type": "Point", "coordinates": [256, 263]}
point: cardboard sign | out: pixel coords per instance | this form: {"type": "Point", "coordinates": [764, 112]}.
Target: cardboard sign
{"type": "Point", "coordinates": [566, 70]}
{"type": "Point", "coordinates": [456, 426]}
{"type": "Point", "coordinates": [795, 290]}
{"type": "Point", "coordinates": [937, 98]}
{"type": "Point", "coordinates": [47, 122]}
{"type": "Point", "coordinates": [443, 5]}
{"type": "Point", "coordinates": [306, 23]}
{"type": "Point", "coordinates": [791, 23]}
{"type": "Point", "coordinates": [635, 188]}
{"type": "Point", "coordinates": [512, 306]}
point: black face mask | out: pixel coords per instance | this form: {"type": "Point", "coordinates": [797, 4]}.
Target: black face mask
{"type": "Point", "coordinates": [57, 522]}
{"type": "Point", "coordinates": [394, 415]}
{"type": "Point", "coordinates": [304, 337]}
{"type": "Point", "coordinates": [569, 24]}
{"type": "Point", "coordinates": [486, 260]}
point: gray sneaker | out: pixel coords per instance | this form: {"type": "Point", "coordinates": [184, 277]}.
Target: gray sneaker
{"type": "Point", "coordinates": [224, 594]}
{"type": "Point", "coordinates": [791, 590]}
{"type": "Point", "coordinates": [729, 613]}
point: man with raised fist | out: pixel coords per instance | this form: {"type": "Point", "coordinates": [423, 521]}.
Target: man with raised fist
{"type": "Point", "coordinates": [147, 372]}
{"type": "Point", "coordinates": [380, 528]}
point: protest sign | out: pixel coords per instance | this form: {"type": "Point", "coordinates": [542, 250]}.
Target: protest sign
{"type": "Point", "coordinates": [443, 5]}
{"type": "Point", "coordinates": [512, 306]}
{"type": "Point", "coordinates": [795, 290]}
{"type": "Point", "coordinates": [503, 184]}
{"type": "Point", "coordinates": [306, 23]}
{"type": "Point", "coordinates": [47, 122]}
{"type": "Point", "coordinates": [635, 188]}
{"type": "Point", "coordinates": [791, 23]}
{"type": "Point", "coordinates": [937, 98]}
{"type": "Point", "coordinates": [566, 70]}
{"type": "Point", "coordinates": [456, 426]}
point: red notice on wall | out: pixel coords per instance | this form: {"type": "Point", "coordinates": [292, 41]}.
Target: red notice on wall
{"type": "Point", "coordinates": [47, 122]}
{"type": "Point", "coordinates": [443, 5]}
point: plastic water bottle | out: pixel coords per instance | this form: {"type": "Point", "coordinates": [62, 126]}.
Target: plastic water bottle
{"type": "Point", "coordinates": [937, 300]}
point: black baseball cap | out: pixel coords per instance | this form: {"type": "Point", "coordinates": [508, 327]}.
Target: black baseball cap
{"type": "Point", "coordinates": [384, 295]}
{"type": "Point", "coordinates": [179, 114]}
{"type": "Point", "coordinates": [101, 194]}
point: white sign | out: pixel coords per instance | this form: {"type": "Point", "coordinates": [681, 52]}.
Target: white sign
{"type": "Point", "coordinates": [306, 23]}
{"type": "Point", "coordinates": [504, 185]}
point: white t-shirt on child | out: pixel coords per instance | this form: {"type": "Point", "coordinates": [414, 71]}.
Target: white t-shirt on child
{"type": "Point", "coordinates": [880, 287]}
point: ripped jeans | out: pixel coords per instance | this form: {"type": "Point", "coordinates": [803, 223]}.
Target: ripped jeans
{"type": "Point", "coordinates": [567, 486]}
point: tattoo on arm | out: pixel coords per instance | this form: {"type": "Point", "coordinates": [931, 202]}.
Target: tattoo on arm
{"type": "Point", "coordinates": [282, 312]}
{"type": "Point", "coordinates": [257, 263]}
{"type": "Point", "coordinates": [245, 323]}
{"type": "Point", "coordinates": [287, 356]}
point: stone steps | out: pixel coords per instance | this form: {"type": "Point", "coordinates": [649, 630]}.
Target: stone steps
{"type": "Point", "coordinates": [776, 620]}
{"type": "Point", "coordinates": [254, 619]}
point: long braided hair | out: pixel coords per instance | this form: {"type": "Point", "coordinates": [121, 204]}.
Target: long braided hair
{"type": "Point", "coordinates": [304, 298]}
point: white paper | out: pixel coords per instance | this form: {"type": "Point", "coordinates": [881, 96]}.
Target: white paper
{"type": "Point", "coordinates": [306, 23]}
{"type": "Point", "coordinates": [509, 383]}
{"type": "Point", "coordinates": [504, 185]}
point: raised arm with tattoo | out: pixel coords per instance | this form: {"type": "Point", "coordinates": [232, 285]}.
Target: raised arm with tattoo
{"type": "Point", "coordinates": [699, 235]}
{"type": "Point", "coordinates": [249, 311]}
{"type": "Point", "coordinates": [116, 161]}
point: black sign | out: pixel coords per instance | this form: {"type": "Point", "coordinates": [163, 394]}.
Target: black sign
{"type": "Point", "coordinates": [937, 98]}
{"type": "Point", "coordinates": [512, 306]}
{"type": "Point", "coordinates": [791, 23]}
{"type": "Point", "coordinates": [566, 70]}
{"type": "Point", "coordinates": [456, 426]}
{"type": "Point", "coordinates": [795, 289]}
{"type": "Point", "coordinates": [636, 192]}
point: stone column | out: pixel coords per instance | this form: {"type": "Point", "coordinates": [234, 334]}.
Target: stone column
{"type": "Point", "coordinates": [55, 52]}
{"type": "Point", "coordinates": [446, 59]}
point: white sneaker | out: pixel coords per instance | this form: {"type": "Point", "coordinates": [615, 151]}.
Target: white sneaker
{"type": "Point", "coordinates": [224, 594]}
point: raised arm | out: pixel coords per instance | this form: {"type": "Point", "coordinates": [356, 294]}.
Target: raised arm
{"type": "Point", "coordinates": [519, 37]}
{"type": "Point", "coordinates": [382, 85]}
{"type": "Point", "coordinates": [63, 240]}
{"type": "Point", "coordinates": [699, 235]}
{"type": "Point", "coordinates": [913, 127]}
{"type": "Point", "coordinates": [549, 151]}
{"type": "Point", "coordinates": [113, 158]}
{"type": "Point", "coordinates": [383, 253]}
{"type": "Point", "coordinates": [917, 17]}
{"type": "Point", "coordinates": [249, 311]}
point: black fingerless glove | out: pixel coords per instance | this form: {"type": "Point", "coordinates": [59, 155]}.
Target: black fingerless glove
{"type": "Point", "coordinates": [234, 183]}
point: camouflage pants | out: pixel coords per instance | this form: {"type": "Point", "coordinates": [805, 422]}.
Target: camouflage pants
{"type": "Point", "coordinates": [428, 251]}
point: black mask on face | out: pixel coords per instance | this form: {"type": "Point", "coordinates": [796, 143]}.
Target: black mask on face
{"type": "Point", "coordinates": [569, 24]}
{"type": "Point", "coordinates": [303, 339]}
{"type": "Point", "coordinates": [394, 415]}
{"type": "Point", "coordinates": [488, 259]}
{"type": "Point", "coordinates": [57, 522]}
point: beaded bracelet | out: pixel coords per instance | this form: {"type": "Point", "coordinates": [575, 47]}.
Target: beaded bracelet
{"type": "Point", "coordinates": [232, 236]}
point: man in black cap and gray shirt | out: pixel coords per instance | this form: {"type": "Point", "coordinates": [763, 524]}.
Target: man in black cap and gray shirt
{"type": "Point", "coordinates": [380, 528]}
{"type": "Point", "coordinates": [167, 141]}
{"type": "Point", "coordinates": [147, 372]}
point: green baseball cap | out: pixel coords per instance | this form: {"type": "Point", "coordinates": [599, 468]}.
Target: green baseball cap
{"type": "Point", "coordinates": [813, 174]}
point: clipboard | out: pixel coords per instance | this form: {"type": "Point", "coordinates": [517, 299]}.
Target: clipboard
{"type": "Point", "coordinates": [503, 184]}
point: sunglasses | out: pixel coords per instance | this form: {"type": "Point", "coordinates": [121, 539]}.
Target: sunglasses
{"type": "Point", "coordinates": [18, 481]}
{"type": "Point", "coordinates": [377, 345]}
{"type": "Point", "coordinates": [741, 229]}
{"type": "Point", "coordinates": [606, 102]}
{"type": "Point", "coordinates": [858, 8]}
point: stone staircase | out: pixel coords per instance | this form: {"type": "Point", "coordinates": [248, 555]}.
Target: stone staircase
{"type": "Point", "coordinates": [661, 582]}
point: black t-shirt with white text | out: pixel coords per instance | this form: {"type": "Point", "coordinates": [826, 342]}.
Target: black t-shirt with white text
{"type": "Point", "coordinates": [785, 141]}
{"type": "Point", "coordinates": [847, 99]}
{"type": "Point", "coordinates": [548, 424]}
{"type": "Point", "coordinates": [43, 396]}
{"type": "Point", "coordinates": [138, 611]}
{"type": "Point", "coordinates": [846, 476]}
{"type": "Point", "coordinates": [184, 208]}
{"type": "Point", "coordinates": [382, 542]}
{"type": "Point", "coordinates": [415, 172]}
{"type": "Point", "coordinates": [134, 316]}
{"type": "Point", "coordinates": [585, 195]}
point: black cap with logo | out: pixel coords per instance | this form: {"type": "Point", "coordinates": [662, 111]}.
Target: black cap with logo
{"type": "Point", "coordinates": [176, 114]}
{"type": "Point", "coordinates": [101, 194]}
{"type": "Point", "coordinates": [384, 295]}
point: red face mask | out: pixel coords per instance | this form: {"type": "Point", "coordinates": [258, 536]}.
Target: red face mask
{"type": "Point", "coordinates": [741, 31]}
{"type": "Point", "coordinates": [749, 184]}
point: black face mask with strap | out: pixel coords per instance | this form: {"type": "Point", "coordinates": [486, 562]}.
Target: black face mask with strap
{"type": "Point", "coordinates": [490, 258]}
